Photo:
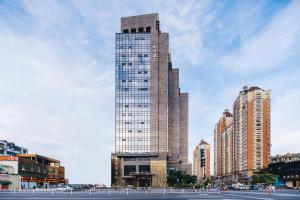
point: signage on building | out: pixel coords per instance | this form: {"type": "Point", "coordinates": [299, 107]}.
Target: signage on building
{"type": "Point", "coordinates": [154, 50]}
{"type": "Point", "coordinates": [8, 158]}
{"type": "Point", "coordinates": [4, 176]}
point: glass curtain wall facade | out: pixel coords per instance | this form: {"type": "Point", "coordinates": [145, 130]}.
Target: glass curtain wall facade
{"type": "Point", "coordinates": [146, 94]}
{"type": "Point", "coordinates": [132, 93]}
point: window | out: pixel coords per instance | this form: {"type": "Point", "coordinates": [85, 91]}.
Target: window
{"type": "Point", "coordinates": [133, 30]}
{"type": "Point", "coordinates": [143, 89]}
{"type": "Point", "coordinates": [148, 29]}
{"type": "Point", "coordinates": [129, 169]}
{"type": "Point", "coordinates": [144, 168]}
{"type": "Point", "coordinates": [141, 30]}
{"type": "Point", "coordinates": [141, 60]}
{"type": "Point", "coordinates": [125, 30]}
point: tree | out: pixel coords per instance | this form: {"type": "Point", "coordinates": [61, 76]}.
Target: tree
{"type": "Point", "coordinates": [172, 178]}
{"type": "Point", "coordinates": [180, 179]}
{"type": "Point", "coordinates": [264, 178]}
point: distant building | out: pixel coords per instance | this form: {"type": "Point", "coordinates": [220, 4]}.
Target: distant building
{"type": "Point", "coordinates": [201, 161]}
{"type": "Point", "coordinates": [10, 149]}
{"type": "Point", "coordinates": [35, 170]}
{"type": "Point", "coordinates": [151, 130]}
{"type": "Point", "coordinates": [222, 144]}
{"type": "Point", "coordinates": [242, 139]}
{"type": "Point", "coordinates": [287, 167]}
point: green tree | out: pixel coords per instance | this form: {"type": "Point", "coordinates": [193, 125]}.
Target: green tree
{"type": "Point", "coordinates": [264, 178]}
{"type": "Point", "coordinates": [180, 179]}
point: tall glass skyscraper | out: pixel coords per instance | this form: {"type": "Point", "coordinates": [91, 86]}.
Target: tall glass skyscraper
{"type": "Point", "coordinates": [151, 113]}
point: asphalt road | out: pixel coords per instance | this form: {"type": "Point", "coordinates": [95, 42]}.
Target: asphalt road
{"type": "Point", "coordinates": [229, 195]}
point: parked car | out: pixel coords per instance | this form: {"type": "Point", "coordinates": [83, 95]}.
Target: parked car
{"type": "Point", "coordinates": [244, 187]}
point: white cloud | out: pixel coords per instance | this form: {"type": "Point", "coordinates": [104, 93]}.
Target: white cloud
{"type": "Point", "coordinates": [270, 47]}
{"type": "Point", "coordinates": [285, 121]}
{"type": "Point", "coordinates": [185, 21]}
{"type": "Point", "coordinates": [286, 143]}
{"type": "Point", "coordinates": [57, 99]}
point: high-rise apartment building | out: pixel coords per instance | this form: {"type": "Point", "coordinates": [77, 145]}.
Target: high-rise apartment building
{"type": "Point", "coordinates": [222, 134]}
{"type": "Point", "coordinates": [251, 131]}
{"type": "Point", "coordinates": [201, 161]}
{"type": "Point", "coordinates": [242, 140]}
{"type": "Point", "coordinates": [151, 130]}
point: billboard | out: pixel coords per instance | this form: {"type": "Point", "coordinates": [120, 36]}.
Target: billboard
{"type": "Point", "coordinates": [8, 158]}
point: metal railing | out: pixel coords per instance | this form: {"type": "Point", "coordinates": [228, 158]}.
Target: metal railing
{"type": "Point", "coordinates": [119, 191]}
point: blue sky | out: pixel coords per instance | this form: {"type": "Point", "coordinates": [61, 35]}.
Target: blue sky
{"type": "Point", "coordinates": [57, 71]}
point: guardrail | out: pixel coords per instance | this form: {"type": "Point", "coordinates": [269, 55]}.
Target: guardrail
{"type": "Point", "coordinates": [121, 191]}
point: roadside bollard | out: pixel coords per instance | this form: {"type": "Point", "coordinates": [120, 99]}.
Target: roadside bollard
{"type": "Point", "coordinates": [52, 192]}
{"type": "Point", "coordinates": [71, 191]}
{"type": "Point", "coordinates": [14, 192]}
{"type": "Point", "coordinates": [90, 192]}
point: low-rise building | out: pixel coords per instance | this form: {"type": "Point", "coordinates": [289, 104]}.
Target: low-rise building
{"type": "Point", "coordinates": [287, 167]}
{"type": "Point", "coordinates": [35, 170]}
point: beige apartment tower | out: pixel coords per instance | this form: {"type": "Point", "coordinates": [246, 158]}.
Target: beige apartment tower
{"type": "Point", "coordinates": [201, 161]}
{"type": "Point", "coordinates": [151, 131]}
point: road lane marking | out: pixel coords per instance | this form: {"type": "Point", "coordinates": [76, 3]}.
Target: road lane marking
{"type": "Point", "coordinates": [251, 197]}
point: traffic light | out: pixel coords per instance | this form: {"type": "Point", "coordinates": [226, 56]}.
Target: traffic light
{"type": "Point", "coordinates": [203, 162]}
{"type": "Point", "coordinates": [202, 154]}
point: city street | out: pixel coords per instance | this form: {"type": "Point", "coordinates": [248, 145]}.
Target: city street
{"type": "Point", "coordinates": [58, 195]}
{"type": "Point", "coordinates": [139, 99]}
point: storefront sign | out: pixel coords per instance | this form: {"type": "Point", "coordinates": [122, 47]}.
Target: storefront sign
{"type": "Point", "coordinates": [8, 158]}
{"type": "Point", "coordinates": [4, 176]}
